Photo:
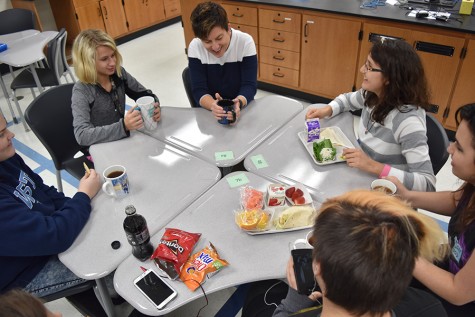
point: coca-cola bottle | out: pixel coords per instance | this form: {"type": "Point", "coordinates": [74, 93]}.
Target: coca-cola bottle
{"type": "Point", "coordinates": [137, 234]}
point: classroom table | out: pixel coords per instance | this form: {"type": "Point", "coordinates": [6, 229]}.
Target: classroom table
{"type": "Point", "coordinates": [196, 130]}
{"type": "Point", "coordinates": [163, 182]}
{"type": "Point", "coordinates": [284, 158]}
{"type": "Point", "coordinates": [25, 49]}
{"type": "Point", "coordinates": [251, 257]}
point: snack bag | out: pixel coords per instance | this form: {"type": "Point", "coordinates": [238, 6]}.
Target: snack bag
{"type": "Point", "coordinates": [200, 265]}
{"type": "Point", "coordinates": [173, 250]}
{"type": "Point", "coordinates": [313, 129]}
{"type": "Point", "coordinates": [251, 198]}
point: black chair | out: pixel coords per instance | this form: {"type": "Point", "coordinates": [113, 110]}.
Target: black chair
{"type": "Point", "coordinates": [48, 76]}
{"type": "Point", "coordinates": [11, 21]}
{"type": "Point", "coordinates": [51, 119]}
{"type": "Point", "coordinates": [438, 142]}
{"type": "Point", "coordinates": [187, 83]}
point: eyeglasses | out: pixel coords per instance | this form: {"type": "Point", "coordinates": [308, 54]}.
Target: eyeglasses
{"type": "Point", "coordinates": [368, 68]}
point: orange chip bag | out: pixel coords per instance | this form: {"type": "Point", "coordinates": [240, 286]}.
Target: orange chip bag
{"type": "Point", "coordinates": [200, 265]}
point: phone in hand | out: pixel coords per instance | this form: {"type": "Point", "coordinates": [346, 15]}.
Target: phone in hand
{"type": "Point", "coordinates": [155, 289]}
{"type": "Point", "coordinates": [304, 276]}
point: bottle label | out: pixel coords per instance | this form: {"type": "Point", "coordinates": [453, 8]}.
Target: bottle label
{"type": "Point", "coordinates": [139, 238]}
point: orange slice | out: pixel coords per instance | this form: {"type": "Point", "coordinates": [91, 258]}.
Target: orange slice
{"type": "Point", "coordinates": [248, 219]}
{"type": "Point", "coordinates": [263, 221]}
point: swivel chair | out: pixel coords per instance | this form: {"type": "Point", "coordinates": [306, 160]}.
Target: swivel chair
{"type": "Point", "coordinates": [50, 117]}
{"type": "Point", "coordinates": [185, 75]}
{"type": "Point", "coordinates": [438, 142]}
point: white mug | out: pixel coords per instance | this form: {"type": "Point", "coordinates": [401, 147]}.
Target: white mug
{"type": "Point", "coordinates": [116, 182]}
{"type": "Point", "coordinates": [303, 243]}
{"type": "Point", "coordinates": [147, 107]}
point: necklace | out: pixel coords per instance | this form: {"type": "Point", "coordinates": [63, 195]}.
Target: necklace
{"type": "Point", "coordinates": [366, 130]}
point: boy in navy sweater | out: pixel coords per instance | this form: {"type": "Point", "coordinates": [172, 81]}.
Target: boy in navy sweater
{"type": "Point", "coordinates": [36, 223]}
{"type": "Point", "coordinates": [222, 61]}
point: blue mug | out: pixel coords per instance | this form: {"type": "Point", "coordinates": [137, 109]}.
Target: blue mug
{"type": "Point", "coordinates": [227, 105]}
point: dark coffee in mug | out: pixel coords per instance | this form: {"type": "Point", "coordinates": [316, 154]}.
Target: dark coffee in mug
{"type": "Point", "coordinates": [114, 174]}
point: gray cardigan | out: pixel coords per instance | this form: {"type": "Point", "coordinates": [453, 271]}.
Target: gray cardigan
{"type": "Point", "coordinates": [96, 117]}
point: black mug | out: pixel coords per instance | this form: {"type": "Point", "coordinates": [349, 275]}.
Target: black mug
{"type": "Point", "coordinates": [227, 105]}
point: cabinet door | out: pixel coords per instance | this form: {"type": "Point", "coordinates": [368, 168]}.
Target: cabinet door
{"type": "Point", "coordinates": [464, 92]}
{"type": "Point", "coordinates": [114, 17]}
{"type": "Point", "coordinates": [90, 17]}
{"type": "Point", "coordinates": [136, 14]}
{"type": "Point", "coordinates": [187, 7]}
{"type": "Point", "coordinates": [440, 56]}
{"type": "Point", "coordinates": [155, 11]}
{"type": "Point", "coordinates": [172, 8]}
{"type": "Point", "coordinates": [375, 32]}
{"type": "Point", "coordinates": [329, 55]}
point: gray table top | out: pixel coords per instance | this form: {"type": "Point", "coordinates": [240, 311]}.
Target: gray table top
{"type": "Point", "coordinates": [163, 182]}
{"type": "Point", "coordinates": [251, 258]}
{"type": "Point", "coordinates": [196, 130]}
{"type": "Point", "coordinates": [297, 165]}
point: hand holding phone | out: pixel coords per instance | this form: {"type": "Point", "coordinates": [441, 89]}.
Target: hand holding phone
{"type": "Point", "coordinates": [155, 289]}
{"type": "Point", "coordinates": [303, 271]}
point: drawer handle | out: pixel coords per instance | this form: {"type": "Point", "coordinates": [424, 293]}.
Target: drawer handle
{"type": "Point", "coordinates": [280, 75]}
{"type": "Point", "coordinates": [280, 40]}
{"type": "Point", "coordinates": [173, 10]}
{"type": "Point", "coordinates": [278, 57]}
{"type": "Point", "coordinates": [238, 15]}
{"type": "Point", "coordinates": [278, 21]}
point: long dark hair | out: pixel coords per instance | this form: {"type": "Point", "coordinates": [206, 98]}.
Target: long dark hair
{"type": "Point", "coordinates": [403, 69]}
{"type": "Point", "coordinates": [467, 114]}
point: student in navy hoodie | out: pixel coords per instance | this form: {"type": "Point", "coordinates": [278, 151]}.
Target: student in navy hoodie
{"type": "Point", "coordinates": [36, 223]}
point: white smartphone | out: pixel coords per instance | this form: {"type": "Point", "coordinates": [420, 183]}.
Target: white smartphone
{"type": "Point", "coordinates": [155, 289]}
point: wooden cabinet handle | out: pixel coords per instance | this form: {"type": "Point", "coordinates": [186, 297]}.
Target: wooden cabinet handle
{"type": "Point", "coordinates": [280, 75]}
{"type": "Point", "coordinates": [278, 21]}
{"type": "Point", "coordinates": [238, 15]}
{"type": "Point", "coordinates": [280, 40]}
{"type": "Point", "coordinates": [278, 57]}
{"type": "Point", "coordinates": [105, 12]}
{"type": "Point", "coordinates": [305, 28]}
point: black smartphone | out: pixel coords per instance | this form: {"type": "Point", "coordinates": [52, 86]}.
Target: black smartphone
{"type": "Point", "coordinates": [303, 270]}
{"type": "Point", "coordinates": [155, 289]}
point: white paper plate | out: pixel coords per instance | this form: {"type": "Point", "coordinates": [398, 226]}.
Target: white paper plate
{"type": "Point", "coordinates": [343, 140]}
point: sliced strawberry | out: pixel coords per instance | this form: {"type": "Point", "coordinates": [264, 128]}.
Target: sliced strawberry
{"type": "Point", "coordinates": [298, 193]}
{"type": "Point", "coordinates": [299, 200]}
{"type": "Point", "coordinates": [289, 192]}
{"type": "Point", "coordinates": [273, 202]}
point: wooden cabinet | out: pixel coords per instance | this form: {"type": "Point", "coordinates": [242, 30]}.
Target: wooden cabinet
{"type": "Point", "coordinates": [141, 13]}
{"type": "Point", "coordinates": [464, 92]}
{"type": "Point", "coordinates": [330, 48]}
{"type": "Point", "coordinates": [187, 6]}
{"type": "Point", "coordinates": [172, 8]}
{"type": "Point", "coordinates": [114, 17]}
{"type": "Point", "coordinates": [279, 44]}
{"type": "Point", "coordinates": [244, 19]}
{"type": "Point", "coordinates": [89, 14]}
{"type": "Point", "coordinates": [440, 56]}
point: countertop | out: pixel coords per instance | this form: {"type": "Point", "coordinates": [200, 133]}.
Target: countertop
{"type": "Point", "coordinates": [459, 23]}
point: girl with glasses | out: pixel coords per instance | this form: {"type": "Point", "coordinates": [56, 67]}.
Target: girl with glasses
{"type": "Point", "coordinates": [393, 98]}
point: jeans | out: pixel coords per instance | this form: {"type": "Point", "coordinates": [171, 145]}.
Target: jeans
{"type": "Point", "coordinates": [54, 277]}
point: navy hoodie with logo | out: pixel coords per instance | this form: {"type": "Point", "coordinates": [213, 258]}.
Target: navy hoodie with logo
{"type": "Point", "coordinates": [36, 221]}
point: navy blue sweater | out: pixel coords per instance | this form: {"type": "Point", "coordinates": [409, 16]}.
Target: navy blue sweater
{"type": "Point", "coordinates": [233, 74]}
{"type": "Point", "coordinates": [36, 221]}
